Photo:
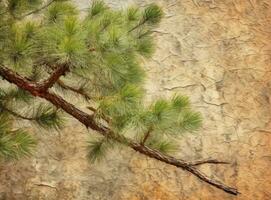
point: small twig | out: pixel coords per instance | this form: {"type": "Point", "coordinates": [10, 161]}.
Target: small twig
{"type": "Point", "coordinates": [207, 161]}
{"type": "Point", "coordinates": [138, 25]}
{"type": "Point", "coordinates": [45, 185]}
{"type": "Point", "coordinates": [146, 136]}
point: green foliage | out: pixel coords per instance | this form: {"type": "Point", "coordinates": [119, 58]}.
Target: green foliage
{"type": "Point", "coordinates": [145, 47]}
{"type": "Point", "coordinates": [17, 7]}
{"type": "Point", "coordinates": [48, 118]}
{"type": "Point", "coordinates": [14, 144]}
{"type": "Point", "coordinates": [63, 42]}
{"type": "Point", "coordinates": [98, 148]}
{"type": "Point", "coordinates": [59, 11]}
{"type": "Point", "coordinates": [133, 14]}
{"type": "Point", "coordinates": [45, 116]}
{"type": "Point", "coordinates": [163, 145]}
{"type": "Point", "coordinates": [180, 103]}
{"type": "Point", "coordinates": [97, 7]}
{"type": "Point", "coordinates": [19, 46]}
{"type": "Point", "coordinates": [190, 121]}
{"type": "Point", "coordinates": [153, 14]}
{"type": "Point", "coordinates": [104, 51]}
{"type": "Point", "coordinates": [11, 94]}
{"type": "Point", "coordinates": [122, 103]}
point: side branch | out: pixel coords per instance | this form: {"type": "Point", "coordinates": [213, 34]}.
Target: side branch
{"type": "Point", "coordinates": [54, 77]}
{"type": "Point", "coordinates": [89, 122]}
{"type": "Point", "coordinates": [37, 10]}
{"type": "Point", "coordinates": [146, 136]}
{"type": "Point", "coordinates": [207, 161]}
{"type": "Point", "coordinates": [185, 166]}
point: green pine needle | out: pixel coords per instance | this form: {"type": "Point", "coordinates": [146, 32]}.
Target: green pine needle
{"type": "Point", "coordinates": [98, 148]}
{"type": "Point", "coordinates": [132, 14]}
{"type": "Point", "coordinates": [145, 47]}
{"type": "Point", "coordinates": [105, 50]}
{"type": "Point", "coordinates": [161, 111]}
{"type": "Point", "coordinates": [190, 121]}
{"type": "Point", "coordinates": [163, 145]}
{"type": "Point", "coordinates": [11, 94]}
{"type": "Point", "coordinates": [5, 123]}
{"type": "Point", "coordinates": [15, 144]}
{"type": "Point", "coordinates": [59, 11]}
{"type": "Point", "coordinates": [152, 14]}
{"type": "Point", "coordinates": [180, 102]}
{"type": "Point", "coordinates": [48, 117]}
{"type": "Point", "coordinates": [97, 7]}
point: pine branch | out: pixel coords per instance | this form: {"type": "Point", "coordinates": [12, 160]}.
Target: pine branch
{"type": "Point", "coordinates": [89, 122]}
{"type": "Point", "coordinates": [152, 14]}
{"type": "Point", "coordinates": [55, 78]}
{"type": "Point", "coordinates": [37, 10]}
{"type": "Point", "coordinates": [26, 14]}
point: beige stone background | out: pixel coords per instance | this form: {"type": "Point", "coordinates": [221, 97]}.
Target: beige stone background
{"type": "Point", "coordinates": [218, 53]}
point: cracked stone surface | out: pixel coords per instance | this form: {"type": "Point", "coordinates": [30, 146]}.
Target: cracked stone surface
{"type": "Point", "coordinates": [218, 52]}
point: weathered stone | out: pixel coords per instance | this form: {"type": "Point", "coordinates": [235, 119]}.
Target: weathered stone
{"type": "Point", "coordinates": [218, 53]}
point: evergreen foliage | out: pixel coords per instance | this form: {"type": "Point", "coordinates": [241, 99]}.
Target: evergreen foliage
{"type": "Point", "coordinates": [104, 51]}
{"type": "Point", "coordinates": [14, 143]}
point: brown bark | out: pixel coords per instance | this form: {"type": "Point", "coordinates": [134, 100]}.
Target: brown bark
{"type": "Point", "coordinates": [54, 77]}
{"type": "Point", "coordinates": [146, 136]}
{"type": "Point", "coordinates": [89, 122]}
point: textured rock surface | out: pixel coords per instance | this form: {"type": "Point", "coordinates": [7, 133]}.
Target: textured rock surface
{"type": "Point", "coordinates": [218, 53]}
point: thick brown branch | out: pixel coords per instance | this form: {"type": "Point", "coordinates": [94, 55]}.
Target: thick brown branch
{"type": "Point", "coordinates": [89, 122]}
{"type": "Point", "coordinates": [18, 80]}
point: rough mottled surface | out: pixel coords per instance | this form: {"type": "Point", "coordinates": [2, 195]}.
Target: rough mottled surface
{"type": "Point", "coordinates": [218, 53]}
